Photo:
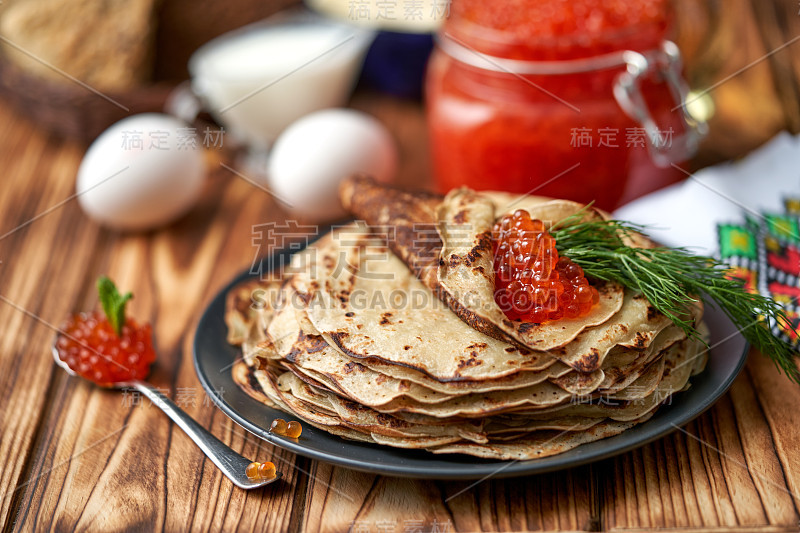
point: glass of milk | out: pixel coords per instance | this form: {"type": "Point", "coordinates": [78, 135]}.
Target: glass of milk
{"type": "Point", "coordinates": [257, 80]}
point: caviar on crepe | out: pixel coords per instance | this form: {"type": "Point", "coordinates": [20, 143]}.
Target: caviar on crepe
{"type": "Point", "coordinates": [104, 346]}
{"type": "Point", "coordinates": [532, 283]}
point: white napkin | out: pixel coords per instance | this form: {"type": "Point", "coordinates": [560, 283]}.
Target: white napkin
{"type": "Point", "coordinates": [687, 213]}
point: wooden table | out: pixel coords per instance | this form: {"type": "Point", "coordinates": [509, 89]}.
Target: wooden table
{"type": "Point", "coordinates": [74, 456]}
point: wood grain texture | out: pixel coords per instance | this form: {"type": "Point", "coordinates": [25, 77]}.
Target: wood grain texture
{"type": "Point", "coordinates": [75, 457]}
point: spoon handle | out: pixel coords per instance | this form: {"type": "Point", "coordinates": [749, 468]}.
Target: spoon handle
{"type": "Point", "coordinates": [231, 463]}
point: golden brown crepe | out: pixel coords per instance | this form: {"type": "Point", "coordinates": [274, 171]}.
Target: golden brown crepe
{"type": "Point", "coordinates": [386, 331]}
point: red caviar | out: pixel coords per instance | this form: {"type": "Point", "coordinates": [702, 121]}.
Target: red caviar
{"type": "Point", "coordinates": [280, 427]}
{"type": "Point", "coordinates": [523, 127]}
{"type": "Point", "coordinates": [558, 29]}
{"type": "Point", "coordinates": [252, 471]}
{"type": "Point", "coordinates": [91, 348]}
{"type": "Point", "coordinates": [293, 429]}
{"type": "Point", "coordinates": [266, 470]}
{"type": "Point", "coordinates": [256, 471]}
{"type": "Point", "coordinates": [532, 283]}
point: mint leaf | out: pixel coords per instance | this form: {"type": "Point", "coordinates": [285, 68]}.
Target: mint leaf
{"type": "Point", "coordinates": [113, 303]}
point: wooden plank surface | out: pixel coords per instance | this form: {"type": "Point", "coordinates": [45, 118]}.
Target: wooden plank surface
{"type": "Point", "coordinates": [73, 456]}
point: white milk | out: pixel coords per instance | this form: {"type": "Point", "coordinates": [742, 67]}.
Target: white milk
{"type": "Point", "coordinates": [258, 80]}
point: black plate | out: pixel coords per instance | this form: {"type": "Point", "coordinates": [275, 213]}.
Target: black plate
{"type": "Point", "coordinates": [213, 357]}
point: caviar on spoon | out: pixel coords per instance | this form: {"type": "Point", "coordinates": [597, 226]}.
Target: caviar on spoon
{"type": "Point", "coordinates": [104, 346]}
{"type": "Point", "coordinates": [116, 352]}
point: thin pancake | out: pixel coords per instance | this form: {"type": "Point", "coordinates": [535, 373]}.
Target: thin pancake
{"type": "Point", "coordinates": [456, 263]}
{"type": "Point", "coordinates": [540, 444]}
{"type": "Point", "coordinates": [357, 379]}
{"type": "Point", "coordinates": [375, 309]}
{"type": "Point", "coordinates": [466, 270]}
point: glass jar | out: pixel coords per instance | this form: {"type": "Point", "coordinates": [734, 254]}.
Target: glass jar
{"type": "Point", "coordinates": [524, 104]}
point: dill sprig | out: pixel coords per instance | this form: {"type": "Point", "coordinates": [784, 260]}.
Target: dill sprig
{"type": "Point", "coordinates": [672, 279]}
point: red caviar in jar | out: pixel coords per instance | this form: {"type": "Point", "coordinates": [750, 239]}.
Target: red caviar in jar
{"type": "Point", "coordinates": [542, 124]}
{"type": "Point", "coordinates": [532, 283]}
{"type": "Point", "coordinates": [91, 348]}
{"type": "Point", "coordinates": [564, 28]}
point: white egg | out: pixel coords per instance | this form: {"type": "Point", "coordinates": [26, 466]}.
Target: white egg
{"type": "Point", "coordinates": [314, 154]}
{"type": "Point", "coordinates": [142, 172]}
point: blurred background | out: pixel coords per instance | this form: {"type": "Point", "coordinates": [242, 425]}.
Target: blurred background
{"type": "Point", "coordinates": [72, 68]}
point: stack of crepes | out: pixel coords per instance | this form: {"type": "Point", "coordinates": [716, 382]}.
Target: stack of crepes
{"type": "Point", "coordinates": [386, 331]}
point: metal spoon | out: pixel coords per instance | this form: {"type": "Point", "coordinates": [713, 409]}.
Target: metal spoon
{"type": "Point", "coordinates": [231, 463]}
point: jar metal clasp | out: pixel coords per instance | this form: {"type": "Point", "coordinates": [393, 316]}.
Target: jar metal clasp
{"type": "Point", "coordinates": [666, 61]}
